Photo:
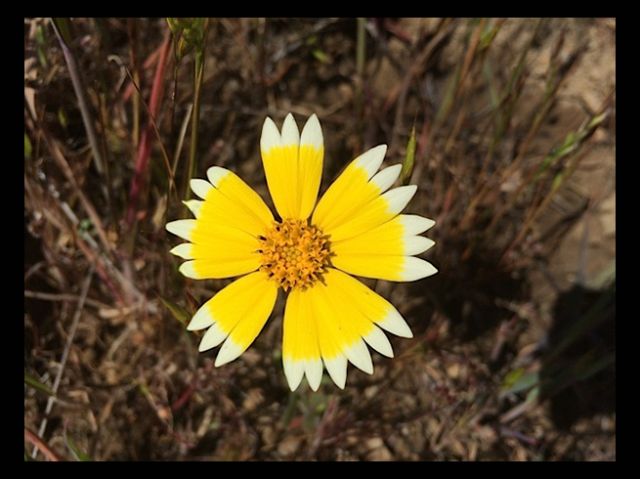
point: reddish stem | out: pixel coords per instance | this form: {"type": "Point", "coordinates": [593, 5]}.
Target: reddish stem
{"type": "Point", "coordinates": [144, 148]}
{"type": "Point", "coordinates": [44, 448]}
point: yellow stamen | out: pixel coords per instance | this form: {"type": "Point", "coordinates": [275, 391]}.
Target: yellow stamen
{"type": "Point", "coordinates": [294, 253]}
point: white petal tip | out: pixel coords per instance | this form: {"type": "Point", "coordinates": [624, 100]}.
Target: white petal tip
{"type": "Point", "coordinates": [215, 174]}
{"type": "Point", "coordinates": [395, 324]}
{"type": "Point", "coordinates": [194, 206]}
{"type": "Point", "coordinates": [200, 187]}
{"type": "Point", "coordinates": [384, 179]}
{"type": "Point", "coordinates": [181, 228]}
{"type": "Point", "coordinates": [270, 135]}
{"type": "Point", "coordinates": [416, 268]}
{"type": "Point", "coordinates": [399, 197]}
{"type": "Point", "coordinates": [378, 341]}
{"type": "Point", "coordinates": [359, 356]}
{"type": "Point", "coordinates": [290, 134]}
{"type": "Point", "coordinates": [182, 250]}
{"type": "Point", "coordinates": [313, 371]}
{"type": "Point", "coordinates": [201, 320]}
{"type": "Point", "coordinates": [212, 337]}
{"type": "Point", "coordinates": [371, 159]}
{"type": "Point", "coordinates": [414, 224]}
{"type": "Point", "coordinates": [417, 244]}
{"type": "Point", "coordinates": [228, 352]}
{"type": "Point", "coordinates": [293, 371]}
{"type": "Point", "coordinates": [337, 369]}
{"type": "Point", "coordinates": [188, 270]}
{"type": "Point", "coordinates": [312, 133]}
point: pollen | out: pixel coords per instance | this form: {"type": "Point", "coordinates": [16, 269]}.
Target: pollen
{"type": "Point", "coordinates": [294, 253]}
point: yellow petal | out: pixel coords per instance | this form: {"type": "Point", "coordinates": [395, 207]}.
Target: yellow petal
{"type": "Point", "coordinates": [236, 315]}
{"type": "Point", "coordinates": [329, 323]}
{"type": "Point", "coordinates": [390, 268]}
{"type": "Point", "coordinates": [293, 165]}
{"type": "Point", "coordinates": [224, 235]}
{"type": "Point", "coordinates": [217, 250]}
{"type": "Point", "coordinates": [350, 191]}
{"type": "Point", "coordinates": [230, 201]}
{"type": "Point", "coordinates": [309, 166]}
{"type": "Point", "coordinates": [371, 304]}
{"type": "Point", "coordinates": [232, 186]}
{"type": "Point", "coordinates": [300, 347]}
{"type": "Point", "coordinates": [383, 251]}
{"type": "Point", "coordinates": [218, 269]}
{"type": "Point", "coordinates": [395, 237]}
{"type": "Point", "coordinates": [373, 213]}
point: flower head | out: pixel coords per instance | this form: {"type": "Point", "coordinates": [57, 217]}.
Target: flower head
{"type": "Point", "coordinates": [310, 253]}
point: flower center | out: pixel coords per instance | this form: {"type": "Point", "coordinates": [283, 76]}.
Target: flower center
{"type": "Point", "coordinates": [294, 253]}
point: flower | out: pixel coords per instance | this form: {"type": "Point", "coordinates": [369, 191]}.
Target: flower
{"type": "Point", "coordinates": [354, 229]}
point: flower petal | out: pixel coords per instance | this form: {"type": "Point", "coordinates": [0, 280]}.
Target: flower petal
{"type": "Point", "coordinates": [368, 302]}
{"type": "Point", "coordinates": [225, 233]}
{"type": "Point", "coordinates": [235, 315]}
{"type": "Point", "coordinates": [384, 251]}
{"type": "Point", "coordinates": [414, 224]}
{"type": "Point", "coordinates": [194, 206]}
{"type": "Point", "coordinates": [334, 320]}
{"type": "Point", "coordinates": [390, 268]}
{"type": "Point", "coordinates": [253, 208]}
{"type": "Point", "coordinates": [387, 177]}
{"type": "Point", "coordinates": [300, 347]}
{"type": "Point", "coordinates": [218, 269]}
{"type": "Point", "coordinates": [293, 165]}
{"type": "Point", "coordinates": [217, 251]}
{"type": "Point", "coordinates": [337, 369]}
{"type": "Point", "coordinates": [396, 237]}
{"type": "Point", "coordinates": [200, 187]}
{"type": "Point", "coordinates": [375, 212]}
{"type": "Point", "coordinates": [309, 166]}
{"type": "Point", "coordinates": [350, 191]}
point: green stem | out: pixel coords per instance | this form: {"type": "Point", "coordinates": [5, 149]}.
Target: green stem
{"type": "Point", "coordinates": [198, 77]}
{"type": "Point", "coordinates": [195, 117]}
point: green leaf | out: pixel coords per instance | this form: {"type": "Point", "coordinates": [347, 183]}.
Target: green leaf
{"type": "Point", "coordinates": [41, 42]}
{"type": "Point", "coordinates": [321, 56]}
{"type": "Point", "coordinates": [85, 225]}
{"type": "Point", "coordinates": [31, 381]}
{"type": "Point", "coordinates": [487, 36]}
{"type": "Point", "coordinates": [177, 311]}
{"type": "Point", "coordinates": [519, 380]}
{"type": "Point", "coordinates": [27, 146]}
{"type": "Point", "coordinates": [409, 159]}
{"type": "Point", "coordinates": [62, 118]}
{"type": "Point", "coordinates": [175, 25]}
{"type": "Point", "coordinates": [77, 453]}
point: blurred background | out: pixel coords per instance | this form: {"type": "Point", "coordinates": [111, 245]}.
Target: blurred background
{"type": "Point", "coordinates": [506, 125]}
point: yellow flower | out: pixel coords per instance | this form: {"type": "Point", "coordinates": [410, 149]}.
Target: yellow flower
{"type": "Point", "coordinates": [355, 228]}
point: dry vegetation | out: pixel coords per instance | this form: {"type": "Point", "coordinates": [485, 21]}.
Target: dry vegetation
{"type": "Point", "coordinates": [514, 351]}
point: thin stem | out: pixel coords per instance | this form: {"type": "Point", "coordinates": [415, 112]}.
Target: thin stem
{"type": "Point", "coordinates": [34, 439]}
{"type": "Point", "coordinates": [65, 355]}
{"type": "Point", "coordinates": [133, 43]}
{"type": "Point", "coordinates": [144, 148]}
{"type": "Point", "coordinates": [61, 28]}
{"type": "Point", "coordinates": [198, 76]}
{"type": "Point", "coordinates": [195, 120]}
{"type": "Point", "coordinates": [361, 53]}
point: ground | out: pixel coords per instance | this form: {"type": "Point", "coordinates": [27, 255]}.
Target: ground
{"type": "Point", "coordinates": [513, 355]}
